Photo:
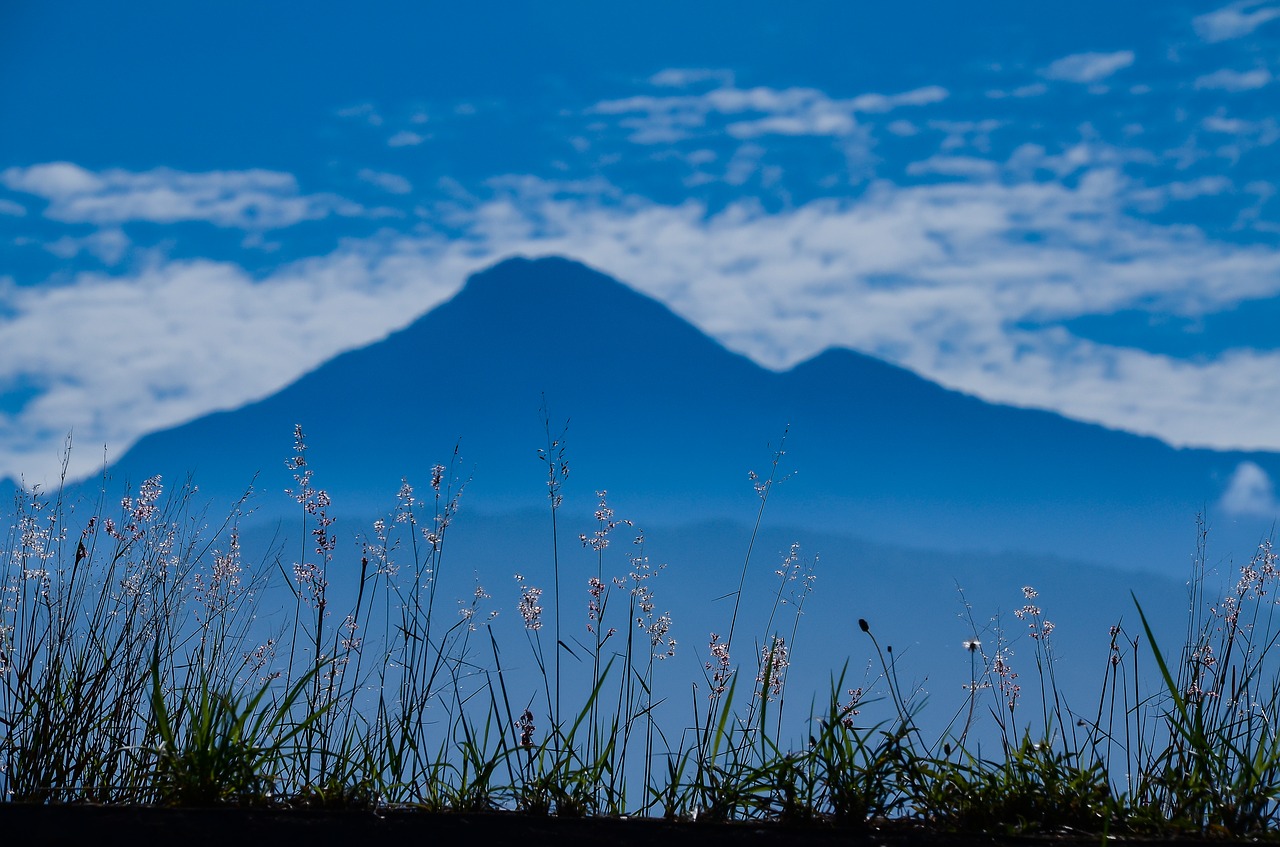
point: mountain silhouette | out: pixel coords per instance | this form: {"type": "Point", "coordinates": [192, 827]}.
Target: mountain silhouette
{"type": "Point", "coordinates": [670, 422]}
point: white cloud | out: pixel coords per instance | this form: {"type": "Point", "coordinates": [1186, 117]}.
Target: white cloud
{"type": "Point", "coordinates": [1228, 126]}
{"type": "Point", "coordinates": [365, 111]}
{"type": "Point", "coordinates": [888, 102]}
{"type": "Point", "coordinates": [8, 207]}
{"type": "Point", "coordinates": [56, 179]}
{"type": "Point", "coordinates": [1229, 80]}
{"type": "Point", "coordinates": [1204, 186]}
{"type": "Point", "coordinates": [962, 166]}
{"type": "Point", "coordinates": [756, 111]}
{"type": "Point", "coordinates": [108, 245]}
{"type": "Point", "coordinates": [405, 138]}
{"type": "Point", "coordinates": [1245, 135]}
{"type": "Point", "coordinates": [962, 134]}
{"type": "Point", "coordinates": [744, 164]}
{"type": "Point", "coordinates": [1248, 133]}
{"type": "Point", "coordinates": [253, 199]}
{"type": "Point", "coordinates": [1033, 90]}
{"type": "Point", "coordinates": [1027, 159]}
{"type": "Point", "coordinates": [1088, 67]}
{"type": "Point", "coordinates": [814, 121]}
{"type": "Point", "coordinates": [1250, 492]}
{"type": "Point", "coordinates": [1234, 21]}
{"type": "Point", "coordinates": [391, 183]}
{"type": "Point", "coordinates": [1157, 198]}
{"type": "Point", "coordinates": [684, 77]}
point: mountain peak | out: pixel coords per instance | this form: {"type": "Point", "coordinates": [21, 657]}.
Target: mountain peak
{"type": "Point", "coordinates": [522, 278]}
{"type": "Point", "coordinates": [525, 271]}
{"type": "Point", "coordinates": [530, 287]}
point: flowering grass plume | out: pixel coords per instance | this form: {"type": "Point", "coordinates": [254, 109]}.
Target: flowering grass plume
{"type": "Point", "coordinates": [149, 656]}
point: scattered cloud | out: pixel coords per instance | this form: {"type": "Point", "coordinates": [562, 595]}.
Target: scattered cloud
{"type": "Point", "coordinates": [252, 199]}
{"type": "Point", "coordinates": [109, 246]}
{"type": "Point", "coordinates": [1034, 89]}
{"type": "Point", "coordinates": [685, 77]}
{"type": "Point", "coordinates": [1250, 491]}
{"type": "Point", "coordinates": [1088, 67]}
{"type": "Point", "coordinates": [54, 180]}
{"type": "Point", "coordinates": [391, 183]}
{"type": "Point", "coordinates": [888, 102]}
{"type": "Point", "coordinates": [1209, 186]}
{"type": "Point", "coordinates": [959, 135]}
{"type": "Point", "coordinates": [362, 111]}
{"type": "Point", "coordinates": [962, 166]}
{"type": "Point", "coordinates": [405, 138]}
{"type": "Point", "coordinates": [744, 164]}
{"type": "Point", "coordinates": [756, 111]}
{"type": "Point", "coordinates": [1245, 135]}
{"type": "Point", "coordinates": [8, 207]}
{"type": "Point", "coordinates": [1234, 21]}
{"type": "Point", "coordinates": [819, 117]}
{"type": "Point", "coordinates": [1227, 126]}
{"type": "Point", "coordinates": [1229, 80]}
{"type": "Point", "coordinates": [1154, 199]}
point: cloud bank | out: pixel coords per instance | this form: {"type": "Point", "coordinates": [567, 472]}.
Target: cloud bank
{"type": "Point", "coordinates": [964, 282]}
{"type": "Point", "coordinates": [251, 199]}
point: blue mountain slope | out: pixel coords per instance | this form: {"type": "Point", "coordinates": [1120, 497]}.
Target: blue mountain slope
{"type": "Point", "coordinates": [670, 422]}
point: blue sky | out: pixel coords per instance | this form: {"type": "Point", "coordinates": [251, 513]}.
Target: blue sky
{"type": "Point", "coordinates": [1070, 208]}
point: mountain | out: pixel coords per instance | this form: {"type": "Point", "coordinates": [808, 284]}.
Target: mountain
{"type": "Point", "coordinates": [670, 422]}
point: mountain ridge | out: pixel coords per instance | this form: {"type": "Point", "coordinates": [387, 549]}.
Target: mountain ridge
{"type": "Point", "coordinates": [669, 418]}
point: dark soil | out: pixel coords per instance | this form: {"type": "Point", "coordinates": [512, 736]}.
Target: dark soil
{"type": "Point", "coordinates": [237, 827]}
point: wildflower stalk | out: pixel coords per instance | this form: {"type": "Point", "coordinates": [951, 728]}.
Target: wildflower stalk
{"type": "Point", "coordinates": [553, 456]}
{"type": "Point", "coordinates": [762, 489]}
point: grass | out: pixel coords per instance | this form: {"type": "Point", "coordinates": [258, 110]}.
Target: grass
{"type": "Point", "coordinates": [145, 658]}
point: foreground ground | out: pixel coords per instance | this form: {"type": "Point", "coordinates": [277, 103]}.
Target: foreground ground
{"type": "Point", "coordinates": [76, 825]}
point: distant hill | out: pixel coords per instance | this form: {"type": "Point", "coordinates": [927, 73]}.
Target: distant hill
{"type": "Point", "coordinates": [669, 421]}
